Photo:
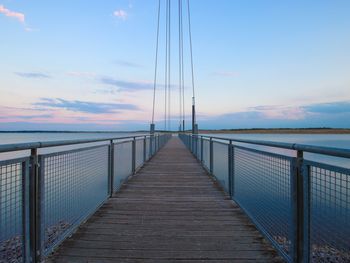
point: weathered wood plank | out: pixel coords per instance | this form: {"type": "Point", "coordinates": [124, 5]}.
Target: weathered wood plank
{"type": "Point", "coordinates": [170, 211]}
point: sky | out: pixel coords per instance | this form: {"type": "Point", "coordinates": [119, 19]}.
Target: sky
{"type": "Point", "coordinates": [89, 65]}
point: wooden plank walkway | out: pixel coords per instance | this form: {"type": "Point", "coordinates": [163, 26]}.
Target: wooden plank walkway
{"type": "Point", "coordinates": [170, 211]}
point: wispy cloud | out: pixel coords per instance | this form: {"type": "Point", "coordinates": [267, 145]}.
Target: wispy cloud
{"type": "Point", "coordinates": [17, 15]}
{"type": "Point", "coordinates": [121, 14]}
{"type": "Point", "coordinates": [128, 64]}
{"type": "Point", "coordinates": [331, 114]}
{"type": "Point", "coordinates": [29, 117]}
{"type": "Point", "coordinates": [280, 112]}
{"type": "Point", "coordinates": [32, 75]}
{"type": "Point", "coordinates": [227, 73]}
{"type": "Point", "coordinates": [329, 108]}
{"type": "Point", "coordinates": [127, 85]}
{"type": "Point", "coordinates": [85, 106]}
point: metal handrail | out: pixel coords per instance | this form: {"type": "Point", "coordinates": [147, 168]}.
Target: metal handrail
{"type": "Point", "coordinates": [333, 151]}
{"type": "Point", "coordinates": [46, 144]}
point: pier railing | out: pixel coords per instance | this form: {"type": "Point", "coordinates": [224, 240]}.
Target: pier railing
{"type": "Point", "coordinates": [301, 206]}
{"type": "Point", "coordinates": [44, 197]}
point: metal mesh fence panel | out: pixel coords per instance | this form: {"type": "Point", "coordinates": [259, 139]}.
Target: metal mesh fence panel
{"type": "Point", "coordinates": [220, 164]}
{"type": "Point", "coordinates": [12, 185]}
{"type": "Point", "coordinates": [329, 212]}
{"type": "Point", "coordinates": [122, 163]}
{"type": "Point", "coordinates": [262, 187]}
{"type": "Point", "coordinates": [139, 153]}
{"type": "Point", "coordinates": [206, 153]}
{"type": "Point", "coordinates": [74, 185]}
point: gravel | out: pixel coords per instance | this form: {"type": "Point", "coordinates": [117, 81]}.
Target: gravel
{"type": "Point", "coordinates": [11, 249]}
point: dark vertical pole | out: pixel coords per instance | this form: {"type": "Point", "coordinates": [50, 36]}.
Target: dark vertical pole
{"type": "Point", "coordinates": [193, 117]}
{"type": "Point", "coordinates": [26, 212]}
{"type": "Point", "coordinates": [144, 149]}
{"type": "Point", "coordinates": [158, 143]}
{"type": "Point", "coordinates": [299, 209]}
{"type": "Point", "coordinates": [211, 159]}
{"type": "Point", "coordinates": [230, 167]}
{"type": "Point", "coordinates": [133, 158]}
{"type": "Point", "coordinates": [151, 140]}
{"type": "Point", "coordinates": [35, 207]}
{"type": "Point", "coordinates": [306, 215]}
{"type": "Point", "coordinates": [111, 168]}
{"type": "Point", "coordinates": [202, 149]}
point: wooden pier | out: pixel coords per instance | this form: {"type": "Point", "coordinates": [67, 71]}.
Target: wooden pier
{"type": "Point", "coordinates": [170, 211]}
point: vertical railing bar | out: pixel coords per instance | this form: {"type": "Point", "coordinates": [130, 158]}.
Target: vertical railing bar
{"type": "Point", "coordinates": [202, 150]}
{"type": "Point", "coordinates": [233, 181]}
{"type": "Point", "coordinates": [195, 145]}
{"type": "Point", "coordinates": [32, 203]}
{"type": "Point", "coordinates": [111, 169]}
{"type": "Point", "coordinates": [144, 149]}
{"type": "Point", "coordinates": [34, 206]}
{"type": "Point", "coordinates": [306, 221]}
{"type": "Point", "coordinates": [230, 167]}
{"type": "Point", "coordinates": [158, 143]}
{"type": "Point", "coordinates": [211, 159]}
{"type": "Point", "coordinates": [25, 212]}
{"type": "Point", "coordinates": [133, 158]}
{"type": "Point", "coordinates": [41, 208]}
{"type": "Point", "coordinates": [150, 147]}
{"type": "Point", "coordinates": [298, 210]}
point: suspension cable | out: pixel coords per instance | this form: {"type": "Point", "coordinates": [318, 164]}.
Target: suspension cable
{"type": "Point", "coordinates": [183, 73]}
{"type": "Point", "coordinates": [166, 67]}
{"type": "Point", "coordinates": [156, 64]}
{"type": "Point", "coordinates": [169, 70]}
{"type": "Point", "coordinates": [190, 36]}
{"type": "Point", "coordinates": [180, 77]}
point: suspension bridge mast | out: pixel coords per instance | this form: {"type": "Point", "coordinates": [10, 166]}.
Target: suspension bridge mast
{"type": "Point", "coordinates": [194, 124]}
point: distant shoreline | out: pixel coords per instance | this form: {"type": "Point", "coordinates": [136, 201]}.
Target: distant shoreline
{"type": "Point", "coordinates": [222, 131]}
{"type": "Point", "coordinates": [73, 131]}
{"type": "Point", "coordinates": [281, 131]}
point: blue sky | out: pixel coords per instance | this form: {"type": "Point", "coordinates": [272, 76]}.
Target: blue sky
{"type": "Point", "coordinates": [78, 65]}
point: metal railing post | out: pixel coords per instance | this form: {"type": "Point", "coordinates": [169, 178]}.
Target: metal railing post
{"type": "Point", "coordinates": [202, 149]}
{"type": "Point", "coordinates": [211, 159]}
{"type": "Point", "coordinates": [26, 211]}
{"type": "Point", "coordinates": [111, 169]}
{"type": "Point", "coordinates": [35, 193]}
{"type": "Point", "coordinates": [306, 215]}
{"type": "Point", "coordinates": [195, 144]}
{"type": "Point", "coordinates": [144, 149]}
{"type": "Point", "coordinates": [230, 168]}
{"type": "Point", "coordinates": [300, 206]}
{"type": "Point", "coordinates": [133, 158]}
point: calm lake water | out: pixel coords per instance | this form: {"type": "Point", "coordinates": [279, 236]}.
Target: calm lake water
{"type": "Point", "coordinates": [10, 138]}
{"type": "Point", "coordinates": [325, 140]}
{"type": "Point", "coordinates": [18, 137]}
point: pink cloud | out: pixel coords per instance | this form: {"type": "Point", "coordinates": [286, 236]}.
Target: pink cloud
{"type": "Point", "coordinates": [122, 14]}
{"type": "Point", "coordinates": [281, 112]}
{"type": "Point", "coordinates": [19, 16]}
